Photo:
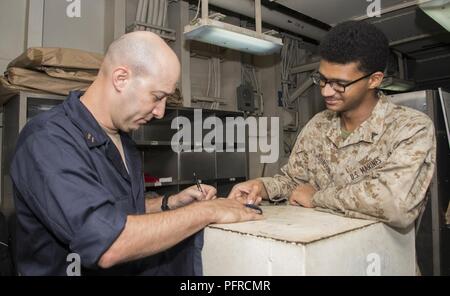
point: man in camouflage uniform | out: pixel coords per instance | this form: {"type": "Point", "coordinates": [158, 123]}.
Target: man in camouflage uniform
{"type": "Point", "coordinates": [364, 157]}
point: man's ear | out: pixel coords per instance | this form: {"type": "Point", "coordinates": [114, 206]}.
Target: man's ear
{"type": "Point", "coordinates": [376, 79]}
{"type": "Point", "coordinates": [120, 78]}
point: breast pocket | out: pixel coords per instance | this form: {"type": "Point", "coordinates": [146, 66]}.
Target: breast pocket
{"type": "Point", "coordinates": [364, 167]}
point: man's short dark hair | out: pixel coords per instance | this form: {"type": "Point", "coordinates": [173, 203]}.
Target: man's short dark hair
{"type": "Point", "coordinates": [356, 41]}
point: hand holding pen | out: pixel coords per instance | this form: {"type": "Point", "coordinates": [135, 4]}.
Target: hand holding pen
{"type": "Point", "coordinates": [251, 206]}
{"type": "Point", "coordinates": [197, 182]}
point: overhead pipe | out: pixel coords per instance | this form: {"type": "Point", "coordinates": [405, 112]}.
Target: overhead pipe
{"type": "Point", "coordinates": [205, 9]}
{"type": "Point", "coordinates": [151, 7]}
{"type": "Point", "coordinates": [139, 11]}
{"type": "Point", "coordinates": [160, 18]}
{"type": "Point", "coordinates": [144, 13]}
{"type": "Point", "coordinates": [272, 17]}
{"type": "Point", "coordinates": [164, 20]}
{"type": "Point", "coordinates": [258, 21]}
{"type": "Point", "coordinates": [155, 14]}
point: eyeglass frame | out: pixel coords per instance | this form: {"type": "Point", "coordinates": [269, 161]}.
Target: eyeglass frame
{"type": "Point", "coordinates": [329, 81]}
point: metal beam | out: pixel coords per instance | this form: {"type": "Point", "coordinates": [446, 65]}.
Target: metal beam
{"type": "Point", "coordinates": [119, 18]}
{"type": "Point", "coordinates": [258, 21]}
{"type": "Point", "coordinates": [180, 18]}
{"type": "Point", "coordinates": [35, 23]}
{"type": "Point", "coordinates": [300, 90]}
{"type": "Point", "coordinates": [305, 68]}
{"type": "Point", "coordinates": [204, 9]}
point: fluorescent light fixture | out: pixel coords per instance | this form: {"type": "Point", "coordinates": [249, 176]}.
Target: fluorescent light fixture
{"type": "Point", "coordinates": [439, 10]}
{"type": "Point", "coordinates": [396, 84]}
{"type": "Point", "coordinates": [230, 36]}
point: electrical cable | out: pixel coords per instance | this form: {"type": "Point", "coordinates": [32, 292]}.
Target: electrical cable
{"type": "Point", "coordinates": [197, 13]}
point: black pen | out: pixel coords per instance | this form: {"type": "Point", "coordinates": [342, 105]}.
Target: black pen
{"type": "Point", "coordinates": [199, 187]}
{"type": "Point", "coordinates": [254, 207]}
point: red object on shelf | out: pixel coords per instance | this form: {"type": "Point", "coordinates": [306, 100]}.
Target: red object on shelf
{"type": "Point", "coordinates": [150, 179]}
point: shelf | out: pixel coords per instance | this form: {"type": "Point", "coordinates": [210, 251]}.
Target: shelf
{"type": "Point", "coordinates": [233, 179]}
{"type": "Point", "coordinates": [186, 182]}
{"type": "Point", "coordinates": [219, 169]}
{"type": "Point", "coordinates": [143, 143]}
{"type": "Point", "coordinates": [192, 182]}
{"type": "Point", "coordinates": [159, 184]}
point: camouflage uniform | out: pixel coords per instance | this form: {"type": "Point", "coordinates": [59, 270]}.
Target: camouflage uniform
{"type": "Point", "coordinates": [380, 171]}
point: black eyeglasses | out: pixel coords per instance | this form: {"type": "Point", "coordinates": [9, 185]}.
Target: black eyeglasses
{"type": "Point", "coordinates": [321, 81]}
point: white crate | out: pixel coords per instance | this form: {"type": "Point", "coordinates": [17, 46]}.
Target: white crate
{"type": "Point", "coordinates": [298, 241]}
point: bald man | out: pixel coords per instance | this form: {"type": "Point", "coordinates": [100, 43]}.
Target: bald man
{"type": "Point", "coordinates": [78, 184]}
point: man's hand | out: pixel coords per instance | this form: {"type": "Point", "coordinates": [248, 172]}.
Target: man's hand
{"type": "Point", "coordinates": [192, 194]}
{"type": "Point", "coordinates": [302, 196]}
{"type": "Point", "coordinates": [226, 210]}
{"type": "Point", "coordinates": [251, 192]}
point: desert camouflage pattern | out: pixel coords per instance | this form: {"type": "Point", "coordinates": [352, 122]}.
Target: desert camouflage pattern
{"type": "Point", "coordinates": [381, 171]}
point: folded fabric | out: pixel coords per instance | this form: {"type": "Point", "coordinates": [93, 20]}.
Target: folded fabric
{"type": "Point", "coordinates": [8, 90]}
{"type": "Point", "coordinates": [71, 74]}
{"type": "Point", "coordinates": [36, 57]}
{"type": "Point", "coordinates": [35, 80]}
{"type": "Point", "coordinates": [56, 71]}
